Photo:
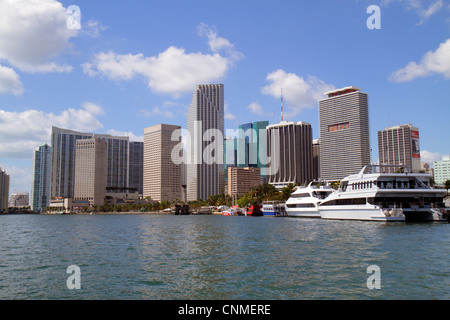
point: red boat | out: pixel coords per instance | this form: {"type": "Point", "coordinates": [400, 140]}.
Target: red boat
{"type": "Point", "coordinates": [254, 211]}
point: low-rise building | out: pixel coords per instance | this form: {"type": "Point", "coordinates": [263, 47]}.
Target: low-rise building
{"type": "Point", "coordinates": [241, 180]}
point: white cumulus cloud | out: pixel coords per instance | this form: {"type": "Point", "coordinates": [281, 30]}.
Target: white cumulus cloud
{"type": "Point", "coordinates": [298, 93]}
{"type": "Point", "coordinates": [433, 62]}
{"type": "Point", "coordinates": [10, 81]}
{"type": "Point", "coordinates": [430, 157]}
{"type": "Point", "coordinates": [173, 71]}
{"type": "Point", "coordinates": [255, 108]}
{"type": "Point", "coordinates": [33, 33]}
{"type": "Point", "coordinates": [21, 132]}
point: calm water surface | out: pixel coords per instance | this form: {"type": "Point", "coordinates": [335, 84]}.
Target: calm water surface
{"type": "Point", "coordinates": [216, 257]}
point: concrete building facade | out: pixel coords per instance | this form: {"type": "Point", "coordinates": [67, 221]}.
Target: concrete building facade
{"type": "Point", "coordinates": [90, 171]}
{"type": "Point", "coordinates": [292, 141]}
{"type": "Point", "coordinates": [162, 176]}
{"type": "Point", "coordinates": [344, 133]}
{"type": "Point", "coordinates": [442, 170]}
{"type": "Point", "coordinates": [241, 180]}
{"type": "Point", "coordinates": [399, 146]}
{"type": "Point", "coordinates": [205, 155]}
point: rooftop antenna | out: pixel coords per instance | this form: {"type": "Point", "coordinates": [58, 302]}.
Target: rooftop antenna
{"type": "Point", "coordinates": [281, 104]}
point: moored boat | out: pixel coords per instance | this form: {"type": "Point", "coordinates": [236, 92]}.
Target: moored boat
{"type": "Point", "coordinates": [384, 193]}
{"type": "Point", "coordinates": [304, 201]}
{"type": "Point", "coordinates": [274, 209]}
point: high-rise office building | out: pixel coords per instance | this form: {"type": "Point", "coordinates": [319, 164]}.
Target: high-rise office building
{"type": "Point", "coordinates": [205, 156]}
{"type": "Point", "coordinates": [399, 146]}
{"type": "Point", "coordinates": [344, 133]}
{"type": "Point", "coordinates": [63, 161]}
{"type": "Point", "coordinates": [40, 180]}
{"type": "Point", "coordinates": [292, 141]}
{"type": "Point", "coordinates": [162, 175]}
{"type": "Point", "coordinates": [4, 191]}
{"type": "Point", "coordinates": [136, 166]}
{"type": "Point", "coordinates": [90, 170]}
{"type": "Point", "coordinates": [251, 145]}
{"type": "Point", "coordinates": [117, 162]}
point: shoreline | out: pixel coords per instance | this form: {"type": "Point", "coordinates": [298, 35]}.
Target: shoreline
{"type": "Point", "coordinates": [107, 213]}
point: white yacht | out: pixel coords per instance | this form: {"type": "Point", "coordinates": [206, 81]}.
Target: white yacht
{"type": "Point", "coordinates": [383, 193]}
{"type": "Point", "coordinates": [274, 209]}
{"type": "Point", "coordinates": [304, 201]}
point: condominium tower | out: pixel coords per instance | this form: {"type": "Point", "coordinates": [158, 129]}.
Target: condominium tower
{"type": "Point", "coordinates": [40, 179]}
{"type": "Point", "coordinates": [90, 171]}
{"type": "Point", "coordinates": [442, 170]}
{"type": "Point", "coordinates": [136, 166]}
{"type": "Point", "coordinates": [205, 156]}
{"type": "Point", "coordinates": [162, 174]}
{"type": "Point", "coordinates": [63, 161]}
{"type": "Point", "coordinates": [289, 145]}
{"type": "Point", "coordinates": [344, 133]}
{"type": "Point", "coordinates": [399, 146]}
{"type": "Point", "coordinates": [4, 191]}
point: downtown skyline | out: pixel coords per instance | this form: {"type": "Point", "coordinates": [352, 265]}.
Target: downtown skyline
{"type": "Point", "coordinates": [135, 65]}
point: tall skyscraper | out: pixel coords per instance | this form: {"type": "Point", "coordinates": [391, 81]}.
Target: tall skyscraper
{"type": "Point", "coordinates": [162, 175]}
{"type": "Point", "coordinates": [251, 146]}
{"type": "Point", "coordinates": [90, 170]}
{"type": "Point", "coordinates": [40, 180]}
{"type": "Point", "coordinates": [399, 145]}
{"type": "Point", "coordinates": [4, 191]}
{"type": "Point", "coordinates": [344, 133]}
{"type": "Point", "coordinates": [63, 161]}
{"type": "Point", "coordinates": [293, 142]}
{"type": "Point", "coordinates": [205, 156]}
{"type": "Point", "coordinates": [136, 166]}
{"type": "Point", "coordinates": [117, 162]}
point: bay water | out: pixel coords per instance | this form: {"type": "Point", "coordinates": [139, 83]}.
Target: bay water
{"type": "Point", "coordinates": [208, 257]}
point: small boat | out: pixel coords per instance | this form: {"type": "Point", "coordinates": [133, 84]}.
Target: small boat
{"type": "Point", "coordinates": [238, 211]}
{"type": "Point", "coordinates": [274, 209]}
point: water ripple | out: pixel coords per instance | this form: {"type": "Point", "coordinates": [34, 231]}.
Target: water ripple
{"type": "Point", "coordinates": [215, 257]}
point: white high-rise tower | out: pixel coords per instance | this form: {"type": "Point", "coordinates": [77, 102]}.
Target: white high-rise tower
{"type": "Point", "coordinates": [205, 175]}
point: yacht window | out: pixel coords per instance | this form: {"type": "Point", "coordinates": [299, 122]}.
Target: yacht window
{"type": "Point", "coordinates": [300, 195]}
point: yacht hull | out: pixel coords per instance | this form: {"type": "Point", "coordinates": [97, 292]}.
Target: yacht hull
{"type": "Point", "coordinates": [362, 214]}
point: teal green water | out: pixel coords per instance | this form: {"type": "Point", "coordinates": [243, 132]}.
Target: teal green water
{"type": "Point", "coordinates": [162, 257]}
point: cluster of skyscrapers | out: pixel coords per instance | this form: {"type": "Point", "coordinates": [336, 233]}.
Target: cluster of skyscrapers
{"type": "Point", "coordinates": [164, 167]}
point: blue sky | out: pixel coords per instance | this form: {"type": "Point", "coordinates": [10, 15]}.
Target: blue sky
{"type": "Point", "coordinates": [134, 64]}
